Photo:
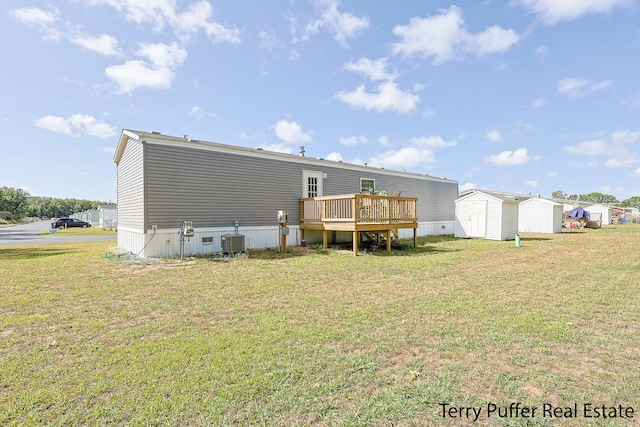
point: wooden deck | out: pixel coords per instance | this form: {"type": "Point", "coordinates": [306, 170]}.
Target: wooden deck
{"type": "Point", "coordinates": [359, 213]}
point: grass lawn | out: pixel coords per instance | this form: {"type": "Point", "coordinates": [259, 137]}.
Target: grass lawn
{"type": "Point", "coordinates": [325, 338]}
{"type": "Point", "coordinates": [79, 231]}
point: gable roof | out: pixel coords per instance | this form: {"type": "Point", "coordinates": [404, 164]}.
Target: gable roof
{"type": "Point", "coordinates": [158, 138]}
{"type": "Point", "coordinates": [505, 197]}
{"type": "Point", "coordinates": [542, 200]}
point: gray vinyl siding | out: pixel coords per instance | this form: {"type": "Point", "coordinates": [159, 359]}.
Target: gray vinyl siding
{"type": "Point", "coordinates": [213, 189]}
{"type": "Point", "coordinates": [435, 198]}
{"type": "Point", "coordinates": [130, 186]}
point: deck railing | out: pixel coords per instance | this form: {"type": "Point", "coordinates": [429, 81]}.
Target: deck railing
{"type": "Point", "coordinates": [359, 209]}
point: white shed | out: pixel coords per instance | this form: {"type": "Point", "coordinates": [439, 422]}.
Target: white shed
{"type": "Point", "coordinates": [486, 214]}
{"type": "Point", "coordinates": [605, 211]}
{"type": "Point", "coordinates": [538, 215]}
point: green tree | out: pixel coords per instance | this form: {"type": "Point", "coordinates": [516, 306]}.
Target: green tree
{"type": "Point", "coordinates": [598, 198]}
{"type": "Point", "coordinates": [14, 202]}
{"type": "Point", "coordinates": [631, 202]}
{"type": "Point", "coordinates": [559, 194]}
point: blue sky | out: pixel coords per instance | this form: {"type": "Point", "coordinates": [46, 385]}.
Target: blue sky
{"type": "Point", "coordinates": [526, 96]}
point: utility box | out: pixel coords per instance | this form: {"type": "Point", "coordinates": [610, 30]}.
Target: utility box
{"type": "Point", "coordinates": [232, 243]}
{"type": "Point", "coordinates": [187, 229]}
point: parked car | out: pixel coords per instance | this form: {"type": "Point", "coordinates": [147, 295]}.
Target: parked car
{"type": "Point", "coordinates": [68, 223]}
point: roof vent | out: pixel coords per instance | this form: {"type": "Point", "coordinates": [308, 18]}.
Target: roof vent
{"type": "Point", "coordinates": [155, 132]}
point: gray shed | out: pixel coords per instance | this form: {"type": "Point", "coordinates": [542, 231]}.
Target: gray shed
{"type": "Point", "coordinates": [487, 214]}
{"type": "Point", "coordinates": [165, 180]}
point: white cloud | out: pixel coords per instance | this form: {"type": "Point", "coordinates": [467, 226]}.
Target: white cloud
{"type": "Point", "coordinates": [444, 37]}
{"type": "Point", "coordinates": [576, 86]}
{"type": "Point", "coordinates": [554, 11]}
{"type": "Point", "coordinates": [625, 137]}
{"type": "Point", "coordinates": [494, 136]}
{"type": "Point", "coordinates": [160, 13]}
{"type": "Point", "coordinates": [163, 55]}
{"type": "Point", "coordinates": [389, 97]}
{"type": "Point", "coordinates": [552, 174]}
{"type": "Point", "coordinates": [404, 157]}
{"type": "Point", "coordinates": [197, 18]}
{"type": "Point", "coordinates": [374, 70]}
{"type": "Point", "coordinates": [158, 74]}
{"type": "Point", "coordinates": [512, 158]}
{"type": "Point", "coordinates": [343, 25]}
{"type": "Point", "coordinates": [636, 174]}
{"type": "Point", "coordinates": [537, 103]}
{"type": "Point", "coordinates": [531, 183]}
{"type": "Point", "coordinates": [384, 141]}
{"type": "Point", "coordinates": [621, 162]}
{"type": "Point", "coordinates": [200, 113]}
{"type": "Point", "coordinates": [467, 186]}
{"type": "Point", "coordinates": [336, 157]}
{"type": "Point", "coordinates": [136, 74]}
{"type": "Point", "coordinates": [110, 150]}
{"type": "Point", "coordinates": [419, 151]}
{"type": "Point", "coordinates": [76, 125]}
{"type": "Point", "coordinates": [596, 147]}
{"type": "Point", "coordinates": [291, 132]}
{"type": "Point", "coordinates": [268, 40]}
{"type": "Point", "coordinates": [584, 165]}
{"type": "Point", "coordinates": [542, 50]}
{"type": "Point", "coordinates": [277, 147]}
{"type": "Point", "coordinates": [353, 140]}
{"type": "Point", "coordinates": [431, 142]}
{"type": "Point", "coordinates": [103, 44]}
{"type": "Point", "coordinates": [428, 113]}
{"type": "Point", "coordinates": [617, 151]}
{"type": "Point", "coordinates": [41, 19]}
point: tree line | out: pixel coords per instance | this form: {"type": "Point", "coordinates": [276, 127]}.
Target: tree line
{"type": "Point", "coordinates": [15, 203]}
{"type": "Point", "coordinates": [631, 202]}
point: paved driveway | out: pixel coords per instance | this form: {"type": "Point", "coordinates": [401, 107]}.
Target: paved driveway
{"type": "Point", "coordinates": [29, 233]}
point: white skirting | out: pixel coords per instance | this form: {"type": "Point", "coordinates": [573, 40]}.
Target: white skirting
{"type": "Point", "coordinates": [166, 242]}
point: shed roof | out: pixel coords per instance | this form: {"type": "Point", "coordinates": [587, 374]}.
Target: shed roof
{"type": "Point", "coordinates": [541, 200]}
{"type": "Point", "coordinates": [505, 197]}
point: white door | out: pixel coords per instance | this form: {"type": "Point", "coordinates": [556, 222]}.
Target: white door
{"type": "Point", "coordinates": [312, 184]}
{"type": "Point", "coordinates": [479, 218]}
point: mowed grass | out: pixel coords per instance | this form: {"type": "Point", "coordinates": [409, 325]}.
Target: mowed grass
{"type": "Point", "coordinates": [323, 338]}
{"type": "Point", "coordinates": [79, 231]}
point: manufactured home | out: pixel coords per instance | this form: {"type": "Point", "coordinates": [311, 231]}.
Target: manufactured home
{"type": "Point", "coordinates": [223, 190]}
{"type": "Point", "coordinates": [108, 215]}
{"type": "Point", "coordinates": [538, 215]}
{"type": "Point", "coordinates": [488, 215]}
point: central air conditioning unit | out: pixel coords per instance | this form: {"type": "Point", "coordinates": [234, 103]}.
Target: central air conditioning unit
{"type": "Point", "coordinates": [232, 243]}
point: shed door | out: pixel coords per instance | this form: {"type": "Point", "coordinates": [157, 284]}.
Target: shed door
{"type": "Point", "coordinates": [312, 184]}
{"type": "Point", "coordinates": [479, 218]}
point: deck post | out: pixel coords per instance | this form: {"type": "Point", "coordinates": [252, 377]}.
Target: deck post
{"type": "Point", "coordinates": [325, 243]}
{"type": "Point", "coordinates": [388, 241]}
{"type": "Point", "coordinates": [415, 238]}
{"type": "Point", "coordinates": [356, 240]}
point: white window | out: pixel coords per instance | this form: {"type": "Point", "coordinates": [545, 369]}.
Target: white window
{"type": "Point", "coordinates": [367, 184]}
{"type": "Point", "coordinates": [312, 184]}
